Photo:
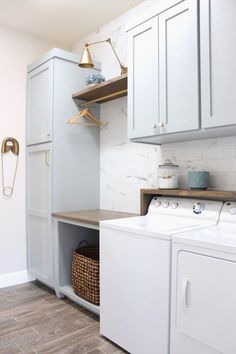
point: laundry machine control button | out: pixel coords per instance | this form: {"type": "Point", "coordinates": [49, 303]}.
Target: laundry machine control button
{"type": "Point", "coordinates": [174, 205]}
{"type": "Point", "coordinates": [232, 211]}
{"type": "Point", "coordinates": [157, 203]}
{"type": "Point", "coordinates": [165, 204]}
{"type": "Point", "coordinates": [198, 208]}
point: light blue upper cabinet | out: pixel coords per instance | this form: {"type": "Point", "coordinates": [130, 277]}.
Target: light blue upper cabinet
{"type": "Point", "coordinates": [218, 62]}
{"type": "Point", "coordinates": [143, 98]}
{"type": "Point", "coordinates": [178, 68]}
{"type": "Point", "coordinates": [40, 104]}
{"type": "Point", "coordinates": [164, 72]}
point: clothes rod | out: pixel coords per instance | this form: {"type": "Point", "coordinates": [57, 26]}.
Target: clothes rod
{"type": "Point", "coordinates": [104, 97]}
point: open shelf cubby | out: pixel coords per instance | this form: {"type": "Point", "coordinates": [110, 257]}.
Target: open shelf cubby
{"type": "Point", "coordinates": [68, 239]}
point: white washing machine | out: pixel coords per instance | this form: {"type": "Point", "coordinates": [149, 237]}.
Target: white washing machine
{"type": "Point", "coordinates": [135, 256]}
{"type": "Point", "coordinates": [203, 316]}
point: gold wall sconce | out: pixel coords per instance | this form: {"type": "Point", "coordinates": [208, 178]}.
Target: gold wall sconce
{"type": "Point", "coordinates": [86, 59]}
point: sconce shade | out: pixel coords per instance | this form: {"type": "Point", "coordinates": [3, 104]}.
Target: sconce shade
{"type": "Point", "coordinates": [86, 59]}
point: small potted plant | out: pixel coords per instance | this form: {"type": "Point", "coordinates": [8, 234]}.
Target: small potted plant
{"type": "Point", "coordinates": [94, 79]}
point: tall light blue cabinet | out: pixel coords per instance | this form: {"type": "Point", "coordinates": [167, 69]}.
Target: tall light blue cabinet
{"type": "Point", "coordinates": [62, 159]}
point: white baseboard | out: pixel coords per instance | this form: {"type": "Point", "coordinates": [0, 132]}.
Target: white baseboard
{"type": "Point", "coordinates": [15, 278]}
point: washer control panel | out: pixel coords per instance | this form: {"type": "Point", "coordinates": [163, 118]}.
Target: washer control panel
{"type": "Point", "coordinates": [186, 207]}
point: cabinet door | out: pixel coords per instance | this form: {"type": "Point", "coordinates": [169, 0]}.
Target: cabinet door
{"type": "Point", "coordinates": [179, 69]}
{"type": "Point", "coordinates": [143, 79]}
{"type": "Point", "coordinates": [40, 248]}
{"type": "Point", "coordinates": [218, 58]}
{"type": "Point", "coordinates": [40, 104]}
{"type": "Point", "coordinates": [39, 229]}
{"type": "Point", "coordinates": [206, 307]}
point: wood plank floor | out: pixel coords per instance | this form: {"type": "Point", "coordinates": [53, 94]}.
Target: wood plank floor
{"type": "Point", "coordinates": [33, 320]}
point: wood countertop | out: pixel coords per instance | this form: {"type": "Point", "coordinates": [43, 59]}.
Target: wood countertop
{"type": "Point", "coordinates": [91, 216]}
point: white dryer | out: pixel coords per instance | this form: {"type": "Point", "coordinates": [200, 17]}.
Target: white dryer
{"type": "Point", "coordinates": [203, 316]}
{"type": "Point", "coordinates": [135, 278]}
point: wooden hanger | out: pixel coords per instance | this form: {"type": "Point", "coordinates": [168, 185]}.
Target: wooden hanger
{"type": "Point", "coordinates": [94, 121]}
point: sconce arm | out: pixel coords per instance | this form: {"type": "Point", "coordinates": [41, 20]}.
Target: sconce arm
{"type": "Point", "coordinates": [108, 40]}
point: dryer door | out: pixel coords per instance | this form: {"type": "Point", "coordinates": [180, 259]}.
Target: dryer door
{"type": "Point", "coordinates": [206, 301]}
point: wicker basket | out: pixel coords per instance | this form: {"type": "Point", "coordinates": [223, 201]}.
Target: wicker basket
{"type": "Point", "coordinates": [85, 273]}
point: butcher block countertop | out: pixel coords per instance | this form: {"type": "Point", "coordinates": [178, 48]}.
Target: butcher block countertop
{"type": "Point", "coordinates": [91, 216]}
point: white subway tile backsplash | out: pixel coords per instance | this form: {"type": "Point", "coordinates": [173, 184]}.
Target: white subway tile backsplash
{"type": "Point", "coordinates": [219, 153]}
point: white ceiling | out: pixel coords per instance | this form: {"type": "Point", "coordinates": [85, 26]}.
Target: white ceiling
{"type": "Point", "coordinates": [66, 21]}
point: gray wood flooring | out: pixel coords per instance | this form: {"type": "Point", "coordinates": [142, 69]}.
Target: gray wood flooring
{"type": "Point", "coordinates": [33, 320]}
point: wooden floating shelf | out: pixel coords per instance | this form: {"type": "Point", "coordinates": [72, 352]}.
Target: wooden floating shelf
{"type": "Point", "coordinates": [146, 195]}
{"type": "Point", "coordinates": [99, 91]}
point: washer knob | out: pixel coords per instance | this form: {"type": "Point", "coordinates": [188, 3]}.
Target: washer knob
{"type": "Point", "coordinates": [165, 204]}
{"type": "Point", "coordinates": [174, 205]}
{"type": "Point", "coordinates": [198, 207]}
{"type": "Point", "coordinates": [232, 211]}
{"type": "Point", "coordinates": [157, 203]}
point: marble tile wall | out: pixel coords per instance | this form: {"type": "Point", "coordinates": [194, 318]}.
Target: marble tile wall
{"type": "Point", "coordinates": [125, 166]}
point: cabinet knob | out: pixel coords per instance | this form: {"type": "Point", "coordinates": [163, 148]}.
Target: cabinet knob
{"type": "Point", "coordinates": [161, 124]}
{"type": "Point", "coordinates": [154, 126]}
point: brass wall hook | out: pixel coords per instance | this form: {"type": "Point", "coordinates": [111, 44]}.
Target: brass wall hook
{"type": "Point", "coordinates": [10, 144]}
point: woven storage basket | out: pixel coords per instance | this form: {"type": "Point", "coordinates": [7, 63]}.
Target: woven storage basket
{"type": "Point", "coordinates": [85, 273]}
